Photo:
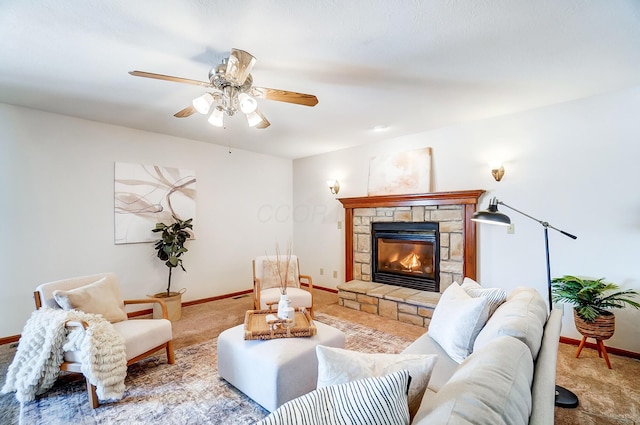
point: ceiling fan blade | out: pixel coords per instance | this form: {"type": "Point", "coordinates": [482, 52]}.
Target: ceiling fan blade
{"type": "Point", "coordinates": [186, 112]}
{"type": "Point", "coordinates": [239, 66]}
{"type": "Point", "coordinates": [170, 78]}
{"type": "Point", "coordinates": [264, 123]}
{"type": "Point", "coordinates": [284, 96]}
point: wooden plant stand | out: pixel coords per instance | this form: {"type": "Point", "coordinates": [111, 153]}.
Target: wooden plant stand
{"type": "Point", "coordinates": [602, 328]}
{"type": "Point", "coordinates": [602, 351]}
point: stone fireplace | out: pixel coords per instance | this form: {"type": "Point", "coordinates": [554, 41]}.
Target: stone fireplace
{"type": "Point", "coordinates": [385, 239]}
{"type": "Point", "coordinates": [406, 254]}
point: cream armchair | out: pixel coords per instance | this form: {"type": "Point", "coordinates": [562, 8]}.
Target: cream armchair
{"type": "Point", "coordinates": [266, 283]}
{"type": "Point", "coordinates": [143, 337]}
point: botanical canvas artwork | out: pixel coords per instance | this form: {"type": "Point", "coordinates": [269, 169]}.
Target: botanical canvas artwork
{"type": "Point", "coordinates": [400, 173]}
{"type": "Point", "coordinates": [148, 194]}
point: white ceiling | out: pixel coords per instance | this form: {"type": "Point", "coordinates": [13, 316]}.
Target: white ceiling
{"type": "Point", "coordinates": [410, 65]}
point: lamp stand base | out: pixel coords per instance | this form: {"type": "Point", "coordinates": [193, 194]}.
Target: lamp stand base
{"type": "Point", "coordinates": [565, 398]}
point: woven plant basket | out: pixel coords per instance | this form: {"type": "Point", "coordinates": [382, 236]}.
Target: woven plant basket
{"type": "Point", "coordinates": [602, 328]}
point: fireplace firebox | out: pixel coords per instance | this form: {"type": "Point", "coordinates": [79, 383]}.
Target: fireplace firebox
{"type": "Point", "coordinates": [406, 254]}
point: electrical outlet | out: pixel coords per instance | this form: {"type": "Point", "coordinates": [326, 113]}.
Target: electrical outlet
{"type": "Point", "coordinates": [335, 274]}
{"type": "Point", "coordinates": [339, 225]}
{"type": "Point", "coordinates": [321, 272]}
{"type": "Point", "coordinates": [511, 229]}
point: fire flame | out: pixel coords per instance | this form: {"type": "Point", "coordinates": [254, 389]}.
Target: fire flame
{"type": "Point", "coordinates": [411, 262]}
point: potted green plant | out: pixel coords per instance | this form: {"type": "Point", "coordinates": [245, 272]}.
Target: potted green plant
{"type": "Point", "coordinates": [170, 249]}
{"type": "Point", "coordinates": [592, 299]}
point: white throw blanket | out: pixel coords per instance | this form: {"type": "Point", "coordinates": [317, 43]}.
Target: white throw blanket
{"type": "Point", "coordinates": [40, 353]}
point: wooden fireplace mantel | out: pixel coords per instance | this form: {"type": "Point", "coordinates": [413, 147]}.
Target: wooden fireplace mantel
{"type": "Point", "coordinates": [467, 198]}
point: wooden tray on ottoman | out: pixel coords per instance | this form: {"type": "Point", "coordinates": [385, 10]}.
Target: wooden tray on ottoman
{"type": "Point", "coordinates": [256, 326]}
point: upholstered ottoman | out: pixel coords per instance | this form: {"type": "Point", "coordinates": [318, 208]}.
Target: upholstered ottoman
{"type": "Point", "coordinates": [275, 371]}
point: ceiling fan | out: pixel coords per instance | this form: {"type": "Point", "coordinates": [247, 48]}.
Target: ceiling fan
{"type": "Point", "coordinates": [235, 92]}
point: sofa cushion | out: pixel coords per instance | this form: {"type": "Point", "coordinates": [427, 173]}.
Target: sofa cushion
{"type": "Point", "coordinates": [445, 366]}
{"type": "Point", "coordinates": [100, 297]}
{"type": "Point", "coordinates": [379, 400]}
{"type": "Point", "coordinates": [338, 366]}
{"type": "Point", "coordinates": [522, 316]}
{"type": "Point", "coordinates": [496, 296]}
{"type": "Point", "coordinates": [456, 321]}
{"type": "Point", "coordinates": [492, 386]}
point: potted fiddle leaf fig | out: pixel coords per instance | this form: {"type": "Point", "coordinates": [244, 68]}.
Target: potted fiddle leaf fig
{"type": "Point", "coordinates": [170, 249]}
{"type": "Point", "coordinates": [592, 299]}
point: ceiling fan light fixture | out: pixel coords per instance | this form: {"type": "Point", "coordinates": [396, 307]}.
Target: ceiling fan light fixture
{"type": "Point", "coordinates": [232, 90]}
{"type": "Point", "coordinates": [203, 103]}
{"type": "Point", "coordinates": [247, 103]}
{"type": "Point", "coordinates": [217, 117]}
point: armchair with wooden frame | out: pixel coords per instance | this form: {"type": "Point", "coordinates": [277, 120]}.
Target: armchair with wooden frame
{"type": "Point", "coordinates": [266, 283]}
{"type": "Point", "coordinates": [143, 337]}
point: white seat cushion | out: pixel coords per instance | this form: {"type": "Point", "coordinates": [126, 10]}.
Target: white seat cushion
{"type": "Point", "coordinates": [140, 335]}
{"type": "Point", "coordinates": [298, 297]}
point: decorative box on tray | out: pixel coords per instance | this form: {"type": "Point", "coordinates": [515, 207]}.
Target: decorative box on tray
{"type": "Point", "coordinates": [264, 324]}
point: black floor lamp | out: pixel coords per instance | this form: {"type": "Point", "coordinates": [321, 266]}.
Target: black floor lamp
{"type": "Point", "coordinates": [564, 397]}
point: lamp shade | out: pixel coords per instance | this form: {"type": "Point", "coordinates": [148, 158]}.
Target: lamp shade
{"type": "Point", "coordinates": [491, 215]}
{"type": "Point", "coordinates": [217, 117]}
{"type": "Point", "coordinates": [247, 103]}
{"type": "Point", "coordinates": [203, 103]}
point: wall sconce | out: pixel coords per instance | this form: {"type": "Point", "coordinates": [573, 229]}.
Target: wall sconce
{"type": "Point", "coordinates": [497, 171]}
{"type": "Point", "coordinates": [334, 186]}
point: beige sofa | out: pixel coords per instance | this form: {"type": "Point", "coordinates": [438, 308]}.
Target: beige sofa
{"type": "Point", "coordinates": [509, 378]}
{"type": "Point", "coordinates": [487, 358]}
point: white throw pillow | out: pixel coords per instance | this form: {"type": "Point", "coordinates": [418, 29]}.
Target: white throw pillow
{"type": "Point", "coordinates": [100, 297]}
{"type": "Point", "coordinates": [339, 366]}
{"type": "Point", "coordinates": [369, 401]}
{"type": "Point", "coordinates": [457, 320]}
{"type": "Point", "coordinates": [496, 296]}
{"type": "Point", "coordinates": [271, 277]}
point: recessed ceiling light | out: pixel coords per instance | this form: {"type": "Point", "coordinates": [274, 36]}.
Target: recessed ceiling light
{"type": "Point", "coordinates": [380, 127]}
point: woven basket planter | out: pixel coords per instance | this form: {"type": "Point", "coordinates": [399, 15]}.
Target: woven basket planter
{"type": "Point", "coordinates": [602, 328]}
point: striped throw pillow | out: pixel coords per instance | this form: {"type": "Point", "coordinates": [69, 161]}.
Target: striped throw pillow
{"type": "Point", "coordinates": [369, 401]}
{"type": "Point", "coordinates": [496, 296]}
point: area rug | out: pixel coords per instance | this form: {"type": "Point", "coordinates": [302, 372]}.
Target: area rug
{"type": "Point", "coordinates": [188, 392]}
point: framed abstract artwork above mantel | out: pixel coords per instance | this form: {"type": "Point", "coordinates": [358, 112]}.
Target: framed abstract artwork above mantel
{"type": "Point", "coordinates": [400, 173]}
{"type": "Point", "coordinates": [148, 194]}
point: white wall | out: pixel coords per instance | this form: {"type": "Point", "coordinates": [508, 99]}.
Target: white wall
{"type": "Point", "coordinates": [57, 209]}
{"type": "Point", "coordinates": [573, 165]}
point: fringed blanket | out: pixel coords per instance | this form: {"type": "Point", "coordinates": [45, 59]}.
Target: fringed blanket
{"type": "Point", "coordinates": [44, 340]}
